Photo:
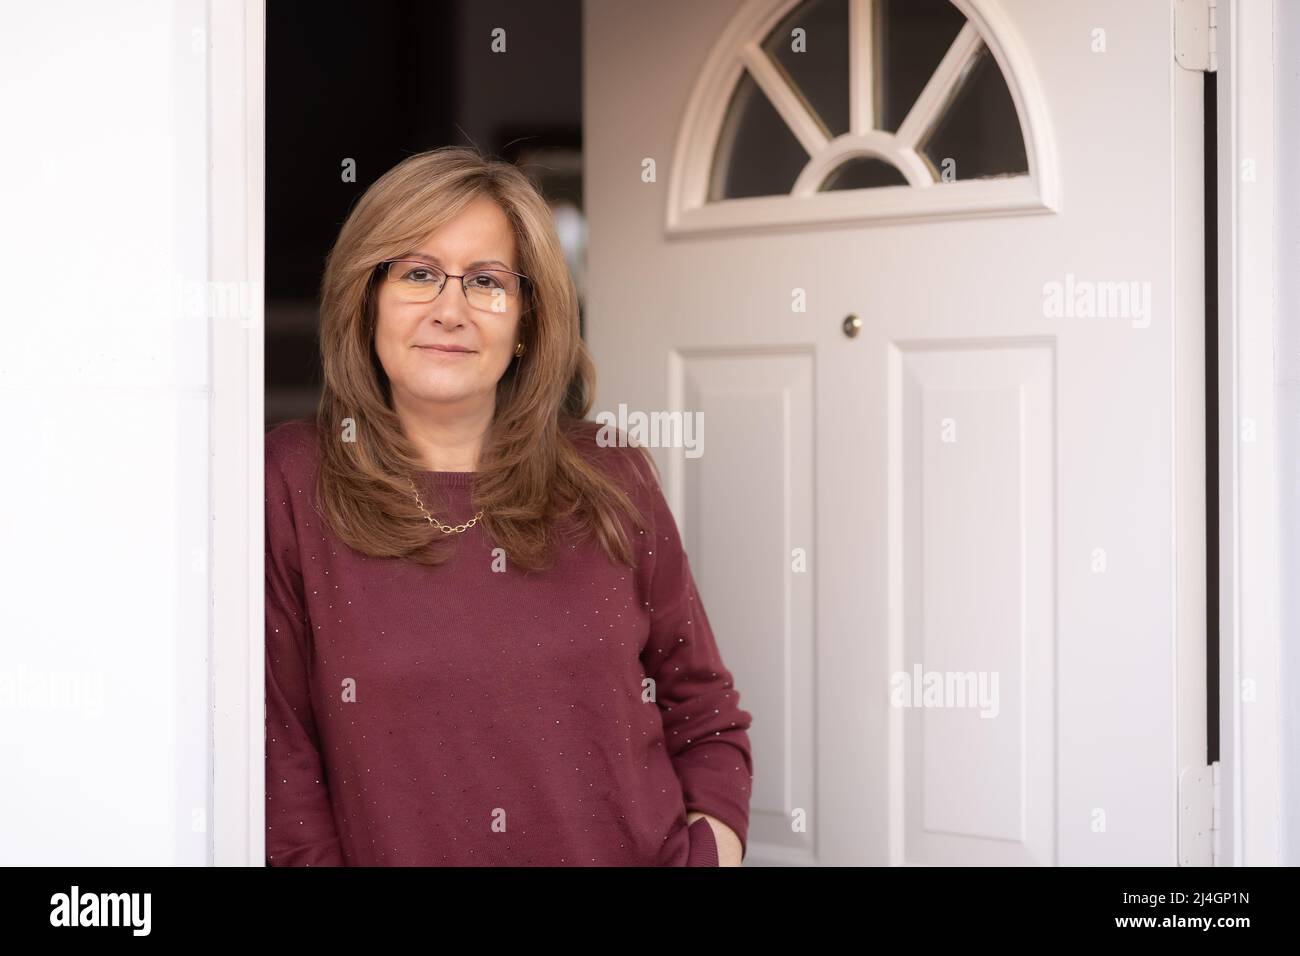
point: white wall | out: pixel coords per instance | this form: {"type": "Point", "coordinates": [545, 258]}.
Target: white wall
{"type": "Point", "coordinates": [1287, 363]}
{"type": "Point", "coordinates": [104, 484]}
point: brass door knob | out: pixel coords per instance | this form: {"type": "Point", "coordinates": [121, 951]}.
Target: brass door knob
{"type": "Point", "coordinates": [852, 326]}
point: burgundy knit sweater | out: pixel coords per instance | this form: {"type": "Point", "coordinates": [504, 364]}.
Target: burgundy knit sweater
{"type": "Point", "coordinates": [473, 714]}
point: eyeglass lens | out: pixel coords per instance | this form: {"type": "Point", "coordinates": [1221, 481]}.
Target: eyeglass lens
{"type": "Point", "coordinates": [489, 290]}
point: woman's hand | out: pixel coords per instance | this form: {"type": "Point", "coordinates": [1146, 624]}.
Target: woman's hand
{"type": "Point", "coordinates": [729, 850]}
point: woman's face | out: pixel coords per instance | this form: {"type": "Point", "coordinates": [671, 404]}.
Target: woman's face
{"type": "Point", "coordinates": [446, 352]}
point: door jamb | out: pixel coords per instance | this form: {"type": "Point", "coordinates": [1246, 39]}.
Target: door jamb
{"type": "Point", "coordinates": [236, 44]}
{"type": "Point", "coordinates": [1249, 629]}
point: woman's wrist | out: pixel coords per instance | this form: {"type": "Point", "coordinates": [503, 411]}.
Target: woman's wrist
{"type": "Point", "coordinates": [729, 849]}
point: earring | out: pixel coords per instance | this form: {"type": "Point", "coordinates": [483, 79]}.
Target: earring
{"type": "Point", "coordinates": [519, 349]}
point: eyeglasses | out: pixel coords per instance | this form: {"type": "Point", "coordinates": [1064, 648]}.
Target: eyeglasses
{"type": "Point", "coordinates": [488, 290]}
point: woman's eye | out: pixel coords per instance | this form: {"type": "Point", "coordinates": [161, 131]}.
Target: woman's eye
{"type": "Point", "coordinates": [485, 280]}
{"type": "Point", "coordinates": [419, 275]}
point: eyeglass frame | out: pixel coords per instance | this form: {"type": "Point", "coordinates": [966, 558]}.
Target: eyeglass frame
{"type": "Point", "coordinates": [447, 275]}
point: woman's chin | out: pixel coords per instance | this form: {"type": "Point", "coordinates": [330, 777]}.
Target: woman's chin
{"type": "Point", "coordinates": [447, 393]}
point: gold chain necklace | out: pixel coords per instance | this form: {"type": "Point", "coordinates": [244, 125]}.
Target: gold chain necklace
{"type": "Point", "coordinates": [444, 528]}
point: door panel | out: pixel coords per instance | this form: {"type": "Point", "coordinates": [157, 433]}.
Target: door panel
{"type": "Point", "coordinates": [744, 503]}
{"type": "Point", "coordinates": [974, 467]}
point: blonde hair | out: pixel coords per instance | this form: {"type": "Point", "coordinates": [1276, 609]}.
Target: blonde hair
{"type": "Point", "coordinates": [532, 468]}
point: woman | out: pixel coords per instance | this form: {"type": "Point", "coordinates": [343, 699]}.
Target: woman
{"type": "Point", "coordinates": [484, 641]}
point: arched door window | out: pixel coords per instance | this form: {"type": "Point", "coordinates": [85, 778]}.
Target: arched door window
{"type": "Point", "coordinates": [824, 110]}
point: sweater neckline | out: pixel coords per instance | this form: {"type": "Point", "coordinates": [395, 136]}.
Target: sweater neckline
{"type": "Point", "coordinates": [450, 479]}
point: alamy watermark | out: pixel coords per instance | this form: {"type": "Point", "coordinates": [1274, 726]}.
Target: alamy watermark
{"type": "Point", "coordinates": [76, 908]}
{"type": "Point", "coordinates": [944, 689]}
{"type": "Point", "coordinates": [196, 299]}
{"type": "Point", "coordinates": [24, 690]}
{"type": "Point", "coordinates": [652, 430]}
{"type": "Point", "coordinates": [1089, 299]}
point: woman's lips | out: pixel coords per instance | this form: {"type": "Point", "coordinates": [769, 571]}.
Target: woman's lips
{"type": "Point", "coordinates": [444, 350]}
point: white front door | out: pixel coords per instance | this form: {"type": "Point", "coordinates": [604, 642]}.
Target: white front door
{"type": "Point", "coordinates": [950, 549]}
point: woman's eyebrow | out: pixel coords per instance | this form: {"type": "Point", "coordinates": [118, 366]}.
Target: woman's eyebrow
{"type": "Point", "coordinates": [477, 263]}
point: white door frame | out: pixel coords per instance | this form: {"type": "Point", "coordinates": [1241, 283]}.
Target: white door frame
{"type": "Point", "coordinates": [236, 211]}
{"type": "Point", "coordinates": [1249, 624]}
{"type": "Point", "coordinates": [1250, 729]}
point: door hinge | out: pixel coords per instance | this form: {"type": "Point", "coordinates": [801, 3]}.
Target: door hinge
{"type": "Point", "coordinates": [1216, 824]}
{"type": "Point", "coordinates": [1196, 29]}
{"type": "Point", "coordinates": [1199, 816]}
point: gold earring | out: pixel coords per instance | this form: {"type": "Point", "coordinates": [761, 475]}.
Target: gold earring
{"type": "Point", "coordinates": [519, 349]}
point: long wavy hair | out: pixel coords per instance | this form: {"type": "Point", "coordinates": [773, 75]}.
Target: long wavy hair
{"type": "Point", "coordinates": [533, 470]}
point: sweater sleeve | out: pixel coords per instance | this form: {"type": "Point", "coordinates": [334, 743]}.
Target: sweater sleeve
{"type": "Point", "coordinates": [705, 729]}
{"type": "Point", "coordinates": [300, 828]}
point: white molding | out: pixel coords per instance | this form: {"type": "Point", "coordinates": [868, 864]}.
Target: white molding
{"type": "Point", "coordinates": [689, 211]}
{"type": "Point", "coordinates": [873, 143]}
{"type": "Point", "coordinates": [1016, 64]}
{"type": "Point", "coordinates": [235, 205]}
{"type": "Point", "coordinates": [1250, 628]}
{"type": "Point", "coordinates": [964, 198]}
{"type": "Point", "coordinates": [862, 82]}
{"type": "Point", "coordinates": [1187, 505]}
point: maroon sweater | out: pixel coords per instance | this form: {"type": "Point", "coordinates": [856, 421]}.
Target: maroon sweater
{"type": "Point", "coordinates": [462, 715]}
